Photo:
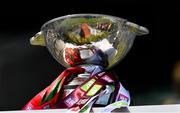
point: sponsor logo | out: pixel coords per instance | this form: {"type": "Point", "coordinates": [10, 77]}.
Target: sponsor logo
{"type": "Point", "coordinates": [107, 78]}
{"type": "Point", "coordinates": [100, 74]}
{"type": "Point", "coordinates": [70, 101]}
{"type": "Point", "coordinates": [82, 101]}
{"type": "Point", "coordinates": [123, 97]}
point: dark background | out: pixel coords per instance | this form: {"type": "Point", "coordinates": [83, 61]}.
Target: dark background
{"type": "Point", "coordinates": [146, 71]}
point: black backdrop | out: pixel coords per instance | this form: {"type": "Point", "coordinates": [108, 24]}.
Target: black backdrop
{"type": "Point", "coordinates": [25, 70]}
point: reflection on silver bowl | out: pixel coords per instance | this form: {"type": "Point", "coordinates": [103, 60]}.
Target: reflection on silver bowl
{"type": "Point", "coordinates": [88, 39]}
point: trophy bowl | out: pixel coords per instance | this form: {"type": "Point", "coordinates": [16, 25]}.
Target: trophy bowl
{"type": "Point", "coordinates": [88, 39]}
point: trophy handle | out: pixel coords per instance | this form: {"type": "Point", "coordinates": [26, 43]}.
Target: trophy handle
{"type": "Point", "coordinates": [38, 39]}
{"type": "Point", "coordinates": [139, 30]}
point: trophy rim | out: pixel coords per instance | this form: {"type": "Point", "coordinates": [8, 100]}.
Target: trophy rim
{"type": "Point", "coordinates": [82, 14]}
{"type": "Point", "coordinates": [140, 29]}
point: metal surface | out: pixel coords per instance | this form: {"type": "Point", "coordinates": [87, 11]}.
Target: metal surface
{"type": "Point", "coordinates": [88, 39]}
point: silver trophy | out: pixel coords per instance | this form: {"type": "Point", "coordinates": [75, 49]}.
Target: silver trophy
{"type": "Point", "coordinates": [88, 39]}
{"type": "Point", "coordinates": [94, 42]}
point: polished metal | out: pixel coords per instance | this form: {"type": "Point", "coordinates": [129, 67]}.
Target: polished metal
{"type": "Point", "coordinates": [88, 39]}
